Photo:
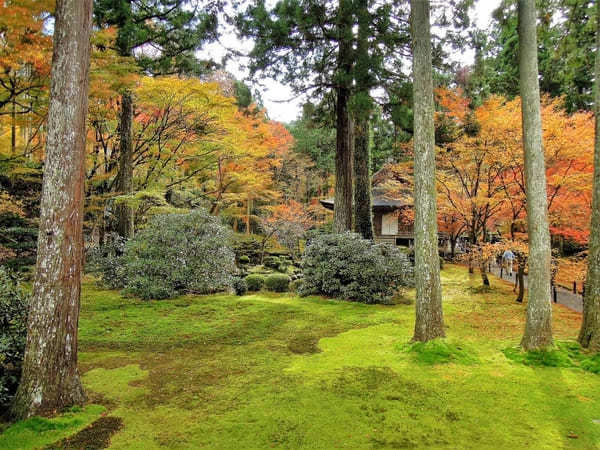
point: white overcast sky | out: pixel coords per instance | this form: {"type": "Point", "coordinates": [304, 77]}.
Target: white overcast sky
{"type": "Point", "coordinates": [278, 99]}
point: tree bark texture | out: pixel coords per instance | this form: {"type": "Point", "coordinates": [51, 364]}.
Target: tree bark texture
{"type": "Point", "coordinates": [50, 380]}
{"type": "Point", "coordinates": [124, 211]}
{"type": "Point", "coordinates": [521, 281]}
{"type": "Point", "coordinates": [429, 322]}
{"type": "Point", "coordinates": [589, 336]}
{"type": "Point", "coordinates": [538, 327]}
{"type": "Point", "coordinates": [342, 212]}
{"type": "Point", "coordinates": [363, 215]}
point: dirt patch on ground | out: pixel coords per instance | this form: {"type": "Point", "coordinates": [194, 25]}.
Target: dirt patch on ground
{"type": "Point", "coordinates": [96, 436]}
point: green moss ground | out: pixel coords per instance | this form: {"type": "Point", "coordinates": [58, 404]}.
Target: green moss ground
{"type": "Point", "coordinates": [271, 370]}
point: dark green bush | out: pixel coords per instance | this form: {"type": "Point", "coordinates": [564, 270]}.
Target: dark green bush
{"type": "Point", "coordinates": [107, 261]}
{"type": "Point", "coordinates": [295, 285]}
{"type": "Point", "coordinates": [19, 236]}
{"type": "Point", "coordinates": [349, 267]}
{"type": "Point", "coordinates": [13, 333]}
{"type": "Point", "coordinates": [272, 262]}
{"type": "Point", "coordinates": [179, 253]}
{"type": "Point", "coordinates": [247, 246]}
{"type": "Point", "coordinates": [239, 286]}
{"type": "Point", "coordinates": [244, 260]}
{"type": "Point", "coordinates": [277, 282]}
{"type": "Point", "coordinates": [255, 282]}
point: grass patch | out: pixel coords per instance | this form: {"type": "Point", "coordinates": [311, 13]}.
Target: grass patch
{"type": "Point", "coordinates": [274, 370]}
{"type": "Point", "coordinates": [39, 432]}
{"type": "Point", "coordinates": [439, 351]}
{"type": "Point", "coordinates": [564, 354]}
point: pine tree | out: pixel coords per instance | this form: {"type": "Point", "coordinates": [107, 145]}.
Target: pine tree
{"type": "Point", "coordinates": [50, 380]}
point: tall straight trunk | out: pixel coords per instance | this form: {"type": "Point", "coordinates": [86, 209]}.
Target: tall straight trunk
{"type": "Point", "coordinates": [13, 129]}
{"type": "Point", "coordinates": [521, 280]}
{"type": "Point", "coordinates": [538, 328]}
{"type": "Point", "coordinates": [124, 211]}
{"type": "Point", "coordinates": [429, 317]}
{"type": "Point", "coordinates": [50, 380]}
{"type": "Point", "coordinates": [342, 212]}
{"type": "Point", "coordinates": [589, 336]}
{"type": "Point", "coordinates": [363, 218]}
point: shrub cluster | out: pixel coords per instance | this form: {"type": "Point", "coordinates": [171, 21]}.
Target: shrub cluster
{"type": "Point", "coordinates": [107, 260]}
{"type": "Point", "coordinates": [350, 267]}
{"type": "Point", "coordinates": [277, 282]}
{"type": "Point", "coordinates": [172, 255]}
{"type": "Point", "coordinates": [13, 333]}
{"type": "Point", "coordinates": [255, 282]}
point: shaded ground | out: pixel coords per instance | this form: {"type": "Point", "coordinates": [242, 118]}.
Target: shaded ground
{"type": "Point", "coordinates": [268, 370]}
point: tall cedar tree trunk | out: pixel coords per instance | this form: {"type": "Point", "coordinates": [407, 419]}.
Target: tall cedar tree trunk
{"type": "Point", "coordinates": [429, 317]}
{"type": "Point", "coordinates": [342, 213]}
{"type": "Point", "coordinates": [538, 328]}
{"type": "Point", "coordinates": [589, 336]}
{"type": "Point", "coordinates": [124, 211]}
{"type": "Point", "coordinates": [50, 380]}
{"type": "Point", "coordinates": [363, 218]}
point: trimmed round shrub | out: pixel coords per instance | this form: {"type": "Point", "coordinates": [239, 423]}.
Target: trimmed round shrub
{"type": "Point", "coordinates": [277, 282]}
{"type": "Point", "coordinates": [13, 333]}
{"type": "Point", "coordinates": [239, 286]}
{"type": "Point", "coordinates": [179, 253]}
{"type": "Point", "coordinates": [254, 282]}
{"type": "Point", "coordinates": [350, 267]}
{"type": "Point", "coordinates": [244, 260]}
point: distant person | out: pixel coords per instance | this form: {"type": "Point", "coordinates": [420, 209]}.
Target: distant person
{"type": "Point", "coordinates": [508, 257]}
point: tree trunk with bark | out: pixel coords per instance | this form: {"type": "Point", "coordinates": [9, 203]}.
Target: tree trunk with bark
{"type": "Point", "coordinates": [589, 335]}
{"type": "Point", "coordinates": [521, 280]}
{"type": "Point", "coordinates": [538, 328]}
{"type": "Point", "coordinates": [50, 379]}
{"type": "Point", "coordinates": [363, 216]}
{"type": "Point", "coordinates": [342, 212]}
{"type": "Point", "coordinates": [429, 317]}
{"type": "Point", "coordinates": [124, 211]}
{"type": "Point", "coordinates": [484, 276]}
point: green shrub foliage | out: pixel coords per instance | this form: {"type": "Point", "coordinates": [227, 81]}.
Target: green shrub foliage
{"type": "Point", "coordinates": [18, 235]}
{"type": "Point", "coordinates": [179, 253]}
{"type": "Point", "coordinates": [107, 261]}
{"type": "Point", "coordinates": [350, 267]}
{"type": "Point", "coordinates": [272, 262]}
{"type": "Point", "coordinates": [277, 282]}
{"type": "Point", "coordinates": [13, 333]}
{"type": "Point", "coordinates": [295, 285]}
{"type": "Point", "coordinates": [239, 286]}
{"type": "Point", "coordinates": [254, 282]}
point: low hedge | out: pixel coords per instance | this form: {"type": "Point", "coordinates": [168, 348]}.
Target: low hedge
{"type": "Point", "coordinates": [277, 282]}
{"type": "Point", "coordinates": [254, 282]}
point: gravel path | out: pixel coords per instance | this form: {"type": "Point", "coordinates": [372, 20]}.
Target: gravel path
{"type": "Point", "coordinates": [563, 296]}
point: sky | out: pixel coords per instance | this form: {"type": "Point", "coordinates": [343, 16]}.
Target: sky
{"type": "Point", "coordinates": [279, 100]}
